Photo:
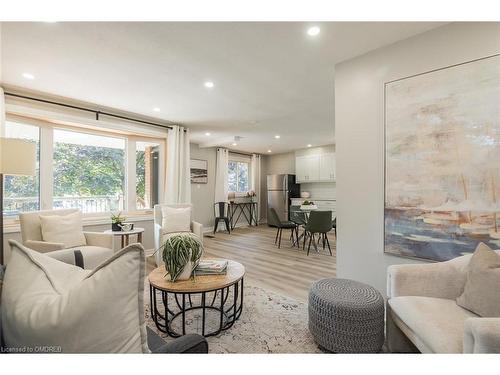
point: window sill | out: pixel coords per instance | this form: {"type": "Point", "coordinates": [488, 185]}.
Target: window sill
{"type": "Point", "coordinates": [15, 227]}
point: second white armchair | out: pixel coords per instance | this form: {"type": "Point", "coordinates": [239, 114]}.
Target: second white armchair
{"type": "Point", "coordinates": [171, 219]}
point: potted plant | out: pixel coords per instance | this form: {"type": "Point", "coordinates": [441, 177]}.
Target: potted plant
{"type": "Point", "coordinates": [181, 254]}
{"type": "Point", "coordinates": [116, 221]}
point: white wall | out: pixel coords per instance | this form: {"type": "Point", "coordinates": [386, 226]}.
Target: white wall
{"type": "Point", "coordinates": [359, 122]}
{"type": "Point", "coordinates": [202, 195]}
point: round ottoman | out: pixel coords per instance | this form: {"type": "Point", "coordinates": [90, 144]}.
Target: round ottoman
{"type": "Point", "coordinates": [346, 316]}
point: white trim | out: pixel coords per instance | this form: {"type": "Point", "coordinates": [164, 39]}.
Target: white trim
{"type": "Point", "coordinates": [130, 176]}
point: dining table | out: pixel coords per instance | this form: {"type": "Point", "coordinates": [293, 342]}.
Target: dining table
{"type": "Point", "coordinates": [306, 210]}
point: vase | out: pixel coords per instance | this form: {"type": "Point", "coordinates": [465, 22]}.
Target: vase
{"type": "Point", "coordinates": [186, 272]}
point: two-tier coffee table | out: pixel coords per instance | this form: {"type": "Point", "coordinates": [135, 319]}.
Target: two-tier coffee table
{"type": "Point", "coordinates": [219, 294]}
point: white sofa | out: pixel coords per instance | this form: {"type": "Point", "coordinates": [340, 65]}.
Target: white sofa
{"type": "Point", "coordinates": [98, 248]}
{"type": "Point", "coordinates": [160, 232]}
{"type": "Point", "coordinates": [422, 314]}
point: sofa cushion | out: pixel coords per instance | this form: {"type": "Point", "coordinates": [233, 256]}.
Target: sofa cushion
{"type": "Point", "coordinates": [176, 220]}
{"type": "Point", "coordinates": [67, 229]}
{"type": "Point", "coordinates": [483, 273]}
{"type": "Point", "coordinates": [47, 303]}
{"type": "Point", "coordinates": [438, 323]}
{"type": "Point", "coordinates": [91, 256]}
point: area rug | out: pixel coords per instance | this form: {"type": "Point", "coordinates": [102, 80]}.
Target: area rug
{"type": "Point", "coordinates": [269, 323]}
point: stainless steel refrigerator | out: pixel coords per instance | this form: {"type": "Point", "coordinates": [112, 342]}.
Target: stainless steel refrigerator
{"type": "Point", "coordinates": [280, 189]}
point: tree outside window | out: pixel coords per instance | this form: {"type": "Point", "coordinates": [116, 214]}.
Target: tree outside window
{"type": "Point", "coordinates": [238, 176]}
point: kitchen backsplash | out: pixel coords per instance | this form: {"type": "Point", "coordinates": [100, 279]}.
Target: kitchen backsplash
{"type": "Point", "coordinates": [321, 190]}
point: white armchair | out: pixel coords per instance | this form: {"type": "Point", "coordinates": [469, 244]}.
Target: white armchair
{"type": "Point", "coordinates": [422, 314]}
{"type": "Point", "coordinates": [99, 246]}
{"type": "Point", "coordinates": [160, 232]}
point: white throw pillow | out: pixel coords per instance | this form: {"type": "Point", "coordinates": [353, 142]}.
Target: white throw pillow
{"type": "Point", "coordinates": [176, 219]}
{"type": "Point", "coordinates": [48, 303]}
{"type": "Point", "coordinates": [65, 229]}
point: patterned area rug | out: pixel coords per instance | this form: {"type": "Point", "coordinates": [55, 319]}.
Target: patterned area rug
{"type": "Point", "coordinates": [269, 323]}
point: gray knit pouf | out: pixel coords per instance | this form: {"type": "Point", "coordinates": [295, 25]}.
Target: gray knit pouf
{"type": "Point", "coordinates": [346, 316]}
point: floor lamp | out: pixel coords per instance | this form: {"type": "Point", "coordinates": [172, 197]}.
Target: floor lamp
{"type": "Point", "coordinates": [17, 157]}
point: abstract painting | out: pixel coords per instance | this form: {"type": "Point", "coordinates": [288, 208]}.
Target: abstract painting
{"type": "Point", "coordinates": [442, 161]}
{"type": "Point", "coordinates": [199, 171]}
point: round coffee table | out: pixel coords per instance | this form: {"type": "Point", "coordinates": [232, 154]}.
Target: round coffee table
{"type": "Point", "coordinates": [211, 291]}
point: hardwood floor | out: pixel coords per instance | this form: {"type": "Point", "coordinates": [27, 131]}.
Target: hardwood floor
{"type": "Point", "coordinates": [287, 271]}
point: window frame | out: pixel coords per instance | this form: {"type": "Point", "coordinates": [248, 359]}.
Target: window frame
{"type": "Point", "coordinates": [236, 159]}
{"type": "Point", "coordinates": [46, 139]}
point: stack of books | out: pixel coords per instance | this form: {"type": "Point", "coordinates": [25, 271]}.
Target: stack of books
{"type": "Point", "coordinates": [211, 267]}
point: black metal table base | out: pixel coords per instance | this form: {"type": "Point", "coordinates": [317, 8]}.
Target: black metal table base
{"type": "Point", "coordinates": [244, 208]}
{"type": "Point", "coordinates": [177, 304]}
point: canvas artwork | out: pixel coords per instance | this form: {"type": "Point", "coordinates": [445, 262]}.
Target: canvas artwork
{"type": "Point", "coordinates": [442, 161]}
{"type": "Point", "coordinates": [199, 171]}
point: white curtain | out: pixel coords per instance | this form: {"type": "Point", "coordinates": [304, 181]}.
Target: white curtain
{"type": "Point", "coordinates": [221, 178]}
{"type": "Point", "coordinates": [255, 180]}
{"type": "Point", "coordinates": [177, 176]}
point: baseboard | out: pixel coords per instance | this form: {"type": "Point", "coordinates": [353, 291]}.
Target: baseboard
{"type": "Point", "coordinates": [223, 229]}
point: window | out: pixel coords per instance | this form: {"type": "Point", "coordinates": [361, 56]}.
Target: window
{"type": "Point", "coordinates": [146, 172]}
{"type": "Point", "coordinates": [238, 176]}
{"type": "Point", "coordinates": [96, 171]}
{"type": "Point", "coordinates": [22, 193]}
{"type": "Point", "coordinates": [89, 172]}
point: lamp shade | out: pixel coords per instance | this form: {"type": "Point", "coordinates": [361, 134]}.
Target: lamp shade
{"type": "Point", "coordinates": [17, 157]}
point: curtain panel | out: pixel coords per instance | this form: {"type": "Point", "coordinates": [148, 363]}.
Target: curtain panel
{"type": "Point", "coordinates": [221, 175]}
{"type": "Point", "coordinates": [177, 176]}
{"type": "Point", "coordinates": [256, 180]}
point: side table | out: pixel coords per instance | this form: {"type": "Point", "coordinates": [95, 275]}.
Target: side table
{"type": "Point", "coordinates": [125, 236]}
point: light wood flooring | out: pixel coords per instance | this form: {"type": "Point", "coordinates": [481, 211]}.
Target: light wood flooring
{"type": "Point", "coordinates": [287, 271]}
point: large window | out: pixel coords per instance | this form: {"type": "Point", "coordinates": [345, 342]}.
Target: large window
{"type": "Point", "coordinates": [22, 193]}
{"type": "Point", "coordinates": [89, 172]}
{"type": "Point", "coordinates": [146, 172]}
{"type": "Point", "coordinates": [238, 176]}
{"type": "Point", "coordinates": [95, 171]}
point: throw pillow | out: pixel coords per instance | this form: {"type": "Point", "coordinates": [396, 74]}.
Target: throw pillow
{"type": "Point", "coordinates": [50, 304]}
{"type": "Point", "coordinates": [176, 219]}
{"type": "Point", "coordinates": [481, 294]}
{"type": "Point", "coordinates": [65, 229]}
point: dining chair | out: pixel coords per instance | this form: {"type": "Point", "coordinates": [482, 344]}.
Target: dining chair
{"type": "Point", "coordinates": [319, 222]}
{"type": "Point", "coordinates": [221, 210]}
{"type": "Point", "coordinates": [274, 221]}
{"type": "Point", "coordinates": [299, 218]}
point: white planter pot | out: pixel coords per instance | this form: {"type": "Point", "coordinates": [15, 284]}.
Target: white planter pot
{"type": "Point", "coordinates": [186, 272]}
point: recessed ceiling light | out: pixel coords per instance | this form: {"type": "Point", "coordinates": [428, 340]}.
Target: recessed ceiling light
{"type": "Point", "coordinates": [235, 144]}
{"type": "Point", "coordinates": [277, 136]}
{"type": "Point", "coordinates": [313, 31]}
{"type": "Point", "coordinates": [209, 84]}
{"type": "Point", "coordinates": [28, 76]}
{"type": "Point", "coordinates": [207, 134]}
{"type": "Point", "coordinates": [309, 145]}
{"type": "Point", "coordinates": [156, 109]}
{"type": "Point", "coordinates": [269, 151]}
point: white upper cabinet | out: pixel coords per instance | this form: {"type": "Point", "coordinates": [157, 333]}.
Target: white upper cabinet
{"type": "Point", "coordinates": [327, 167]}
{"type": "Point", "coordinates": [315, 168]}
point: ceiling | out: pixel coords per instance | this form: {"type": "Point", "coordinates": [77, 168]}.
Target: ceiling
{"type": "Point", "coordinates": [270, 78]}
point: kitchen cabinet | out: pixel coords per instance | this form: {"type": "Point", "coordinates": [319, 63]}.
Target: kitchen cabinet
{"type": "Point", "coordinates": [327, 167]}
{"type": "Point", "coordinates": [315, 168]}
{"type": "Point", "coordinates": [307, 168]}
